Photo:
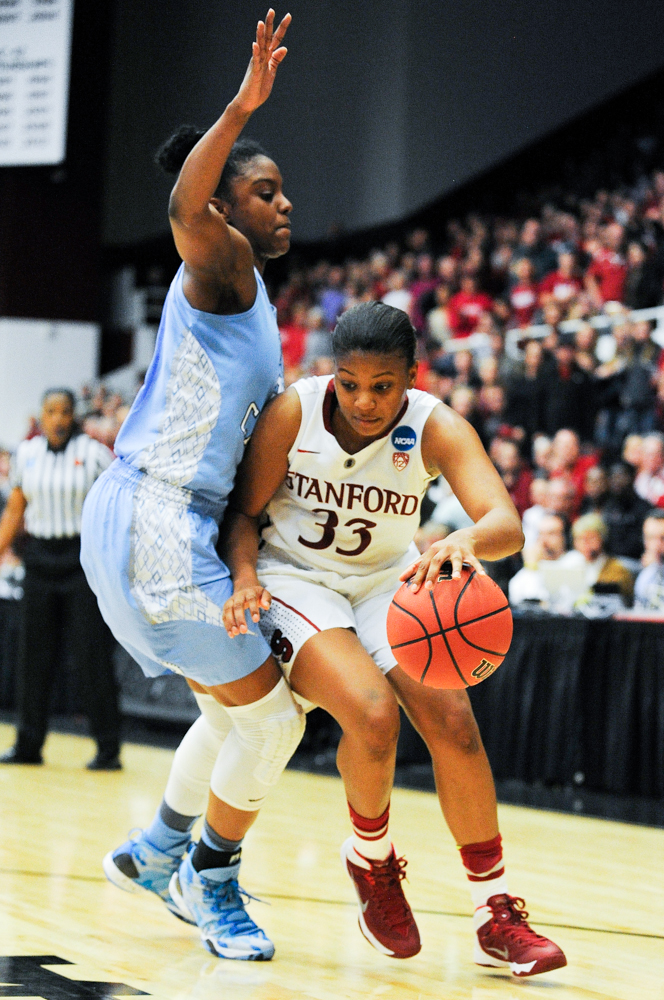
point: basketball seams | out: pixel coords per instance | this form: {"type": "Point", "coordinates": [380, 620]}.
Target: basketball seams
{"type": "Point", "coordinates": [426, 636]}
{"type": "Point", "coordinates": [472, 621]}
{"type": "Point", "coordinates": [480, 649]}
{"type": "Point", "coordinates": [449, 648]}
{"type": "Point", "coordinates": [461, 593]}
{"type": "Point", "coordinates": [452, 628]}
{"type": "Point", "coordinates": [411, 614]}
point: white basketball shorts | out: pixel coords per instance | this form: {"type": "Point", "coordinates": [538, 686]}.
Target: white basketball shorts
{"type": "Point", "coordinates": [302, 608]}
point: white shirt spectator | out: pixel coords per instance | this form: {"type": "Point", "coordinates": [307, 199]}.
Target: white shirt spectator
{"type": "Point", "coordinates": [448, 510]}
{"type": "Point", "coordinates": [399, 298]}
{"type": "Point", "coordinates": [650, 487]}
{"type": "Point", "coordinates": [593, 568]}
{"type": "Point", "coordinates": [527, 585]}
{"type": "Point", "coordinates": [649, 588]}
{"type": "Point", "coordinates": [532, 518]}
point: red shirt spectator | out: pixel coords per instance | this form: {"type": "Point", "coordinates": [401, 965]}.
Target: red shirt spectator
{"type": "Point", "coordinates": [516, 477]}
{"type": "Point", "coordinates": [523, 300]}
{"type": "Point", "coordinates": [466, 307]}
{"type": "Point", "coordinates": [422, 379]}
{"type": "Point", "coordinates": [523, 294]}
{"type": "Point", "coordinates": [609, 271]}
{"type": "Point", "coordinates": [568, 462]}
{"type": "Point", "coordinates": [559, 286]}
{"type": "Point", "coordinates": [520, 491]}
{"type": "Point", "coordinates": [294, 337]}
{"type": "Point", "coordinates": [605, 278]}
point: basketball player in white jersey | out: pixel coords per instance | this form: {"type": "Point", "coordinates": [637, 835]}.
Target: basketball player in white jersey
{"type": "Point", "coordinates": [340, 467]}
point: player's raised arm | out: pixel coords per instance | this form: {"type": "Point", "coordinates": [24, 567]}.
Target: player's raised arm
{"type": "Point", "coordinates": [202, 235]}
{"type": "Point", "coordinates": [451, 446]}
{"type": "Point", "coordinates": [261, 473]}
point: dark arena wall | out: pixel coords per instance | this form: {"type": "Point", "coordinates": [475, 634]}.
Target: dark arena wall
{"type": "Point", "coordinates": [379, 108]}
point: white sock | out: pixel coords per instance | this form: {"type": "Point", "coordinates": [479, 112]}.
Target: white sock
{"type": "Point", "coordinates": [371, 838]}
{"type": "Point", "coordinates": [483, 891]}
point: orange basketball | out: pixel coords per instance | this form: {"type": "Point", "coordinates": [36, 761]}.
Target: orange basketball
{"type": "Point", "coordinates": [453, 636]}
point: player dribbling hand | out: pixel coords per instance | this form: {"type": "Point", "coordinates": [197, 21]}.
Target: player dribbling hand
{"type": "Point", "coordinates": [458, 548]}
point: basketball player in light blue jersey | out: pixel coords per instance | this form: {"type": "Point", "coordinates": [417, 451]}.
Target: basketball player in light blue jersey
{"type": "Point", "coordinates": [150, 523]}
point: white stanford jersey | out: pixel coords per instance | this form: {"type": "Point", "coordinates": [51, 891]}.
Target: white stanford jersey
{"type": "Point", "coordinates": [354, 515]}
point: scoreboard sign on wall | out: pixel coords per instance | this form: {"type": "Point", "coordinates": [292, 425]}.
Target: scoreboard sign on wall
{"type": "Point", "coordinates": [35, 43]}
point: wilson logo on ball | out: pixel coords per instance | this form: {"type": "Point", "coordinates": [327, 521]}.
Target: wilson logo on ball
{"type": "Point", "coordinates": [400, 459]}
{"type": "Point", "coordinates": [484, 669]}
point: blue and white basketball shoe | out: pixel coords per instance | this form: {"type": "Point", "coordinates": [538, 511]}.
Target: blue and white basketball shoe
{"type": "Point", "coordinates": [218, 908]}
{"type": "Point", "coordinates": [138, 864]}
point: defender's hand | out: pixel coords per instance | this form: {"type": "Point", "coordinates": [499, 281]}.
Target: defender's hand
{"type": "Point", "coordinates": [267, 53]}
{"type": "Point", "coordinates": [252, 599]}
{"type": "Point", "coordinates": [458, 548]}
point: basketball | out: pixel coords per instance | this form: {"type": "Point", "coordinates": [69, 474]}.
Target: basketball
{"type": "Point", "coordinates": [453, 636]}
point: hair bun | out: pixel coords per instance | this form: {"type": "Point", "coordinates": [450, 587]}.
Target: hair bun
{"type": "Point", "coordinates": [175, 150]}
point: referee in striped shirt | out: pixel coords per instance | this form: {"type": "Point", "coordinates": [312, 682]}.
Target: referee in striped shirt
{"type": "Point", "coordinates": [51, 477]}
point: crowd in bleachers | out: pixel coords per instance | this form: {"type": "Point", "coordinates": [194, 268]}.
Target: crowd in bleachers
{"type": "Point", "coordinates": [528, 329]}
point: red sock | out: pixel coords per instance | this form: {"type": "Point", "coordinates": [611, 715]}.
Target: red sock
{"type": "Point", "coordinates": [370, 836]}
{"type": "Point", "coordinates": [485, 869]}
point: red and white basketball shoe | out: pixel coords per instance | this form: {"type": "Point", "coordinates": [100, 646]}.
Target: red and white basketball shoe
{"type": "Point", "coordinates": [504, 938]}
{"type": "Point", "coordinates": [384, 916]}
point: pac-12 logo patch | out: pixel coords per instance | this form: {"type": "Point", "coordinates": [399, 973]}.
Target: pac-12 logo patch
{"type": "Point", "coordinates": [404, 438]}
{"type": "Point", "coordinates": [400, 459]}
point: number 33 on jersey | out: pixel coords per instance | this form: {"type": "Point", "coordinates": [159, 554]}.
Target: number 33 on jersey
{"type": "Point", "coordinates": [352, 514]}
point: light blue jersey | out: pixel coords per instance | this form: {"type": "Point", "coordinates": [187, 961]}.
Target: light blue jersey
{"type": "Point", "coordinates": [150, 523]}
{"type": "Point", "coordinates": [209, 379]}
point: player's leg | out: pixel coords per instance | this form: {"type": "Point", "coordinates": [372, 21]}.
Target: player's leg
{"type": "Point", "coordinates": [240, 749]}
{"type": "Point", "coordinates": [327, 666]}
{"type": "Point", "coordinates": [150, 858]}
{"type": "Point", "coordinates": [466, 791]}
{"type": "Point", "coordinates": [464, 782]}
{"type": "Point", "coordinates": [333, 670]}
{"type": "Point", "coordinates": [266, 726]}
{"type": "Point", "coordinates": [172, 619]}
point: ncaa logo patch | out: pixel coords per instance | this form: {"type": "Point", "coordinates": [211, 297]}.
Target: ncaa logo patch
{"type": "Point", "coordinates": [404, 438]}
{"type": "Point", "coordinates": [400, 459]}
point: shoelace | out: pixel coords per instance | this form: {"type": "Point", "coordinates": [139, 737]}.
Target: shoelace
{"type": "Point", "coordinates": [385, 878]}
{"type": "Point", "coordinates": [229, 899]}
{"type": "Point", "coordinates": [512, 915]}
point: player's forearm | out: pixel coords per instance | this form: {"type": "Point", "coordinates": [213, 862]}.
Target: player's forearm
{"type": "Point", "coordinates": [496, 535]}
{"type": "Point", "coordinates": [201, 171]}
{"type": "Point", "coordinates": [240, 549]}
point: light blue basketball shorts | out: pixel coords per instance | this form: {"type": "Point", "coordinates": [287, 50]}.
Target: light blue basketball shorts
{"type": "Point", "coordinates": [148, 551]}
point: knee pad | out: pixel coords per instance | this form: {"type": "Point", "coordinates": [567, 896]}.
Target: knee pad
{"type": "Point", "coordinates": [191, 770]}
{"type": "Point", "coordinates": [264, 737]}
{"type": "Point", "coordinates": [215, 715]}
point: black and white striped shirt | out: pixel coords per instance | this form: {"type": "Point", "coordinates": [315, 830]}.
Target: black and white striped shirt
{"type": "Point", "coordinates": [55, 483]}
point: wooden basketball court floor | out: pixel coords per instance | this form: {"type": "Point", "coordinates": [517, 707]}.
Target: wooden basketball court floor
{"type": "Point", "coordinates": [595, 887]}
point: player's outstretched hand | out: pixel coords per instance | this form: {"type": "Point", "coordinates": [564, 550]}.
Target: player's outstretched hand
{"type": "Point", "coordinates": [252, 599]}
{"type": "Point", "coordinates": [458, 548]}
{"type": "Point", "coordinates": [266, 54]}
